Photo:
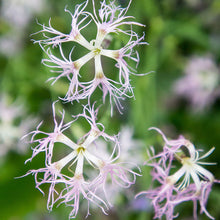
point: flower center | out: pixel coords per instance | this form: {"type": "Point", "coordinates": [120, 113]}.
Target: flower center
{"type": "Point", "coordinates": [80, 149]}
{"type": "Point", "coordinates": [186, 161]}
{"type": "Point", "coordinates": [99, 75]}
{"type": "Point", "coordinates": [97, 51]}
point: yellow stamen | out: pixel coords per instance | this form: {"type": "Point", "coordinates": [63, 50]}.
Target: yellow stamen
{"type": "Point", "coordinates": [80, 150]}
{"type": "Point", "coordinates": [97, 51]}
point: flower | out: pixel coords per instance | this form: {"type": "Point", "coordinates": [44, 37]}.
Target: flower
{"type": "Point", "coordinates": [16, 15]}
{"type": "Point", "coordinates": [109, 20]}
{"type": "Point", "coordinates": [191, 168]}
{"type": "Point", "coordinates": [68, 177]}
{"type": "Point", "coordinates": [20, 13]}
{"type": "Point", "coordinates": [130, 146]}
{"type": "Point", "coordinates": [199, 86]}
{"type": "Point", "coordinates": [14, 123]}
{"type": "Point", "coordinates": [175, 182]}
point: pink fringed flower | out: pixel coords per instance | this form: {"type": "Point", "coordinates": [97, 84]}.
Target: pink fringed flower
{"type": "Point", "coordinates": [190, 182]}
{"type": "Point", "coordinates": [67, 177]}
{"type": "Point", "coordinates": [200, 84]}
{"type": "Point", "coordinates": [109, 19]}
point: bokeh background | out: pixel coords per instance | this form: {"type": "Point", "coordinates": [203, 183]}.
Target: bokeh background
{"type": "Point", "coordinates": [183, 37]}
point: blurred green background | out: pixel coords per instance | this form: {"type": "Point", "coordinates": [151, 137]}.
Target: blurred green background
{"type": "Point", "coordinates": [176, 30]}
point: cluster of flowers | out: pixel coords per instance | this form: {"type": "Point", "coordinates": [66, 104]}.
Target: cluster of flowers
{"type": "Point", "coordinates": [67, 176]}
{"type": "Point", "coordinates": [191, 182]}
